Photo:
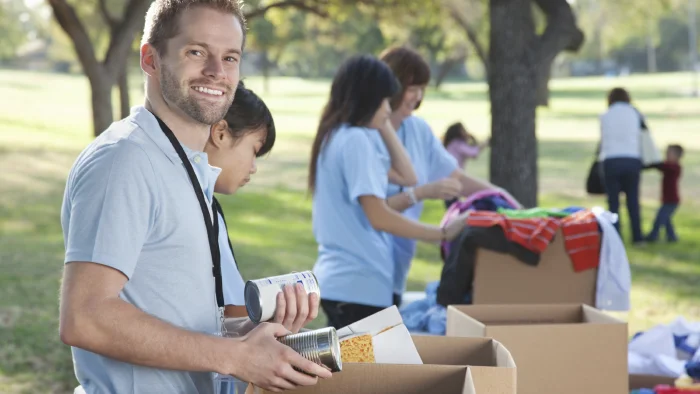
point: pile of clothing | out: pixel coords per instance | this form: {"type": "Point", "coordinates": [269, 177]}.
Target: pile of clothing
{"type": "Point", "coordinates": [590, 239]}
{"type": "Point", "coordinates": [495, 224]}
{"type": "Point", "coordinates": [671, 350]}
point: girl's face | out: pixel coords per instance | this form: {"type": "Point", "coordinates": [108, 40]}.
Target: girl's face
{"type": "Point", "coordinates": [235, 156]}
{"type": "Point", "coordinates": [381, 116]}
{"type": "Point", "coordinates": [411, 97]}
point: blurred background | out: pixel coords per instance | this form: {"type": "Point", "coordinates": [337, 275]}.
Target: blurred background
{"type": "Point", "coordinates": [69, 68]}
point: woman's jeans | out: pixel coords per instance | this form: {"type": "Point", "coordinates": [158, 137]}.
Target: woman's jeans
{"type": "Point", "coordinates": [622, 175]}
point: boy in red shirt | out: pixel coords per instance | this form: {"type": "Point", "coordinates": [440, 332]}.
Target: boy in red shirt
{"type": "Point", "coordinates": [670, 198]}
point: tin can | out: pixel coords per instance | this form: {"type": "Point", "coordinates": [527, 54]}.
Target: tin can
{"type": "Point", "coordinates": [319, 346]}
{"type": "Point", "coordinates": [261, 294]}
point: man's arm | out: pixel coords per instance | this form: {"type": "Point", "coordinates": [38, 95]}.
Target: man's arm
{"type": "Point", "coordinates": [94, 318]}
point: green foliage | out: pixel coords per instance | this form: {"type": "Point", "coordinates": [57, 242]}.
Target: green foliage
{"type": "Point", "coordinates": [18, 25]}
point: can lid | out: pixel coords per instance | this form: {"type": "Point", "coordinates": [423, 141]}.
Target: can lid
{"type": "Point", "coordinates": [253, 301]}
{"type": "Point", "coordinates": [331, 359]}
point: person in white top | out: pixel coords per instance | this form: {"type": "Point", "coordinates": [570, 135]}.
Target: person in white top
{"type": "Point", "coordinates": [620, 153]}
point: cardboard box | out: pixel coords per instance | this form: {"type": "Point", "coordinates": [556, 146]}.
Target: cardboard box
{"type": "Point", "coordinates": [502, 279]}
{"type": "Point", "coordinates": [573, 349]}
{"type": "Point", "coordinates": [451, 366]}
{"type": "Point", "coordinates": [648, 381]}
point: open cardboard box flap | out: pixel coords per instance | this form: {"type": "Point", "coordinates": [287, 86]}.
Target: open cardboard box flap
{"type": "Point", "coordinates": [451, 366]}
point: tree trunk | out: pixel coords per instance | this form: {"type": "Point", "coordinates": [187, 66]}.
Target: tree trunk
{"type": "Point", "coordinates": [544, 73]}
{"type": "Point", "coordinates": [102, 116]}
{"type": "Point", "coordinates": [651, 50]}
{"type": "Point", "coordinates": [512, 90]}
{"type": "Point", "coordinates": [124, 104]}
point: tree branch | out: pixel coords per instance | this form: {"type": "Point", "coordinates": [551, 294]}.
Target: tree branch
{"type": "Point", "coordinates": [471, 32]}
{"type": "Point", "coordinates": [298, 4]}
{"type": "Point", "coordinates": [111, 21]}
{"type": "Point", "coordinates": [561, 33]}
{"type": "Point", "coordinates": [123, 36]}
{"type": "Point", "coordinates": [70, 23]}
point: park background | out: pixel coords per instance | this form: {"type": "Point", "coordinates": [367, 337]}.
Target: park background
{"type": "Point", "coordinates": [67, 68]}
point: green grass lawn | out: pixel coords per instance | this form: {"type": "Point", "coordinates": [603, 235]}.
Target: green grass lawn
{"type": "Point", "coordinates": [45, 122]}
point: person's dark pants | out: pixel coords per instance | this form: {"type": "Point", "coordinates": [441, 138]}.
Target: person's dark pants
{"type": "Point", "coordinates": [622, 175]}
{"type": "Point", "coordinates": [341, 314]}
{"type": "Point", "coordinates": [664, 219]}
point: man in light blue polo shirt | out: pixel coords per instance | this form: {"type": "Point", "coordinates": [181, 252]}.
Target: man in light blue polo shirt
{"type": "Point", "coordinates": [138, 299]}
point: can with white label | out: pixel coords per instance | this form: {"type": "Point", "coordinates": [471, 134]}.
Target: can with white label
{"type": "Point", "coordinates": [261, 294]}
{"type": "Point", "coordinates": [319, 346]}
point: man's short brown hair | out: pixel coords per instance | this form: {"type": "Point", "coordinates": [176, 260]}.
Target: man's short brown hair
{"type": "Point", "coordinates": [163, 16]}
{"type": "Point", "coordinates": [409, 67]}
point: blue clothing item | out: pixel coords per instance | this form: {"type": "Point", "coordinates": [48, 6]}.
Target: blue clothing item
{"type": "Point", "coordinates": [431, 162]}
{"type": "Point", "coordinates": [129, 205]}
{"type": "Point", "coordinates": [692, 368]}
{"type": "Point", "coordinates": [491, 203]}
{"type": "Point", "coordinates": [231, 279]}
{"type": "Point", "coordinates": [663, 219]}
{"type": "Point", "coordinates": [573, 209]}
{"type": "Point", "coordinates": [354, 260]}
{"type": "Point", "coordinates": [622, 175]}
{"type": "Point", "coordinates": [427, 315]}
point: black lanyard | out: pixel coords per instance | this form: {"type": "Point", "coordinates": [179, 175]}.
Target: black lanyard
{"type": "Point", "coordinates": [211, 222]}
{"type": "Point", "coordinates": [223, 219]}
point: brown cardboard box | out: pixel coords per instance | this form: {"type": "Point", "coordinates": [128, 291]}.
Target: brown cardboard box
{"type": "Point", "coordinates": [573, 349]}
{"type": "Point", "coordinates": [451, 366]}
{"type": "Point", "coordinates": [648, 381]}
{"type": "Point", "coordinates": [502, 279]}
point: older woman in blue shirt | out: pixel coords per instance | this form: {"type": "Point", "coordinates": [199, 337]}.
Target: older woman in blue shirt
{"type": "Point", "coordinates": [439, 176]}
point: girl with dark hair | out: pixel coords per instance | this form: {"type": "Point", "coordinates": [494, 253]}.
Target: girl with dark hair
{"type": "Point", "coordinates": [462, 145]}
{"type": "Point", "coordinates": [354, 155]}
{"type": "Point", "coordinates": [439, 176]}
{"type": "Point", "coordinates": [246, 133]}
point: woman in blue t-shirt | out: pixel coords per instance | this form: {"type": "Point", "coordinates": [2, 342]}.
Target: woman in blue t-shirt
{"type": "Point", "coordinates": [354, 155]}
{"type": "Point", "coordinates": [439, 175]}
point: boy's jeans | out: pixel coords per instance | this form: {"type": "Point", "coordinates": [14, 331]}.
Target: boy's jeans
{"type": "Point", "coordinates": [663, 219]}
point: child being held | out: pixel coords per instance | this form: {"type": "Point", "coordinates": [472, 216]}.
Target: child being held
{"type": "Point", "coordinates": [461, 144]}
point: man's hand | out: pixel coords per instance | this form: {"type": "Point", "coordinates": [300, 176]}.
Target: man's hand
{"type": "Point", "coordinates": [295, 308]}
{"type": "Point", "coordinates": [268, 364]}
{"type": "Point", "coordinates": [444, 189]}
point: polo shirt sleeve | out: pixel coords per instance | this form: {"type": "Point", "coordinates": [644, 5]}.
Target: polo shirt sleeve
{"type": "Point", "coordinates": [112, 207]}
{"type": "Point", "coordinates": [362, 167]}
{"type": "Point", "coordinates": [441, 164]}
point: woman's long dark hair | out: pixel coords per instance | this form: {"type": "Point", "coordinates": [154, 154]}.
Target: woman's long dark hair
{"type": "Point", "coordinates": [358, 89]}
